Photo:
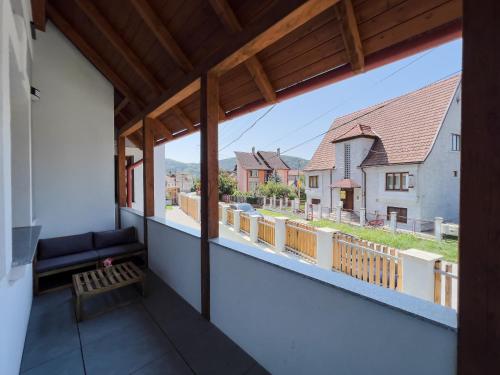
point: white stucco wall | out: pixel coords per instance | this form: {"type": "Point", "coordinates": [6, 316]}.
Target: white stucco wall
{"type": "Point", "coordinates": [15, 283]}
{"type": "Point", "coordinates": [73, 140]}
{"type": "Point", "coordinates": [440, 189]}
{"type": "Point", "coordinates": [322, 192]}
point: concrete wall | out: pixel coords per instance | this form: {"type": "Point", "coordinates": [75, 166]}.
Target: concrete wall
{"type": "Point", "coordinates": [441, 189]}
{"type": "Point", "coordinates": [294, 324]}
{"type": "Point", "coordinates": [133, 218]}
{"type": "Point", "coordinates": [174, 255]}
{"type": "Point", "coordinates": [73, 140]}
{"type": "Point", "coordinates": [322, 192]}
{"type": "Point", "coordinates": [15, 283]}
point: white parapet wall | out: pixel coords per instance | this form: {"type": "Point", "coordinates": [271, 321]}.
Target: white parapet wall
{"type": "Point", "coordinates": [133, 218]}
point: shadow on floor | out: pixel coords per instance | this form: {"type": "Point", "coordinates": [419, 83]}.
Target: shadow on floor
{"type": "Point", "coordinates": [157, 334]}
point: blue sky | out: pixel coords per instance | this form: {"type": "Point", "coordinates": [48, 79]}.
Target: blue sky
{"type": "Point", "coordinates": [293, 121]}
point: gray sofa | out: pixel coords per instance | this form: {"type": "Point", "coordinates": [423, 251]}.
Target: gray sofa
{"type": "Point", "coordinates": [61, 254]}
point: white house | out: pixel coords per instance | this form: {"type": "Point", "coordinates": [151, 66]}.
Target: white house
{"type": "Point", "coordinates": [401, 156]}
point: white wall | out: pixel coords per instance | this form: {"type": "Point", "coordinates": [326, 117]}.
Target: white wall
{"type": "Point", "coordinates": [174, 255]}
{"type": "Point", "coordinates": [73, 140]}
{"type": "Point", "coordinates": [322, 192]}
{"type": "Point", "coordinates": [440, 189]}
{"type": "Point", "coordinates": [294, 324]}
{"type": "Point", "coordinates": [15, 283]}
{"type": "Point", "coordinates": [133, 218]}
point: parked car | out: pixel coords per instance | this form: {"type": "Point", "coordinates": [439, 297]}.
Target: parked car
{"type": "Point", "coordinates": [246, 208]}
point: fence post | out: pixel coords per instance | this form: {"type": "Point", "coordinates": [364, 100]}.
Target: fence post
{"type": "Point", "coordinates": [392, 223]}
{"type": "Point", "coordinates": [297, 204]}
{"type": "Point", "coordinates": [324, 247]}
{"type": "Point", "coordinates": [281, 204]}
{"type": "Point", "coordinates": [286, 202]}
{"type": "Point", "coordinates": [418, 274]}
{"type": "Point", "coordinates": [236, 220]}
{"type": "Point", "coordinates": [254, 228]}
{"type": "Point", "coordinates": [362, 217]}
{"type": "Point", "coordinates": [338, 213]}
{"type": "Point", "coordinates": [438, 228]}
{"type": "Point", "coordinates": [198, 208]}
{"type": "Point", "coordinates": [280, 233]}
{"type": "Point", "coordinates": [224, 214]}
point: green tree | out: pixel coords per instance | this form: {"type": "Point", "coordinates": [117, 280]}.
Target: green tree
{"type": "Point", "coordinates": [273, 188]}
{"type": "Point", "coordinates": [227, 183]}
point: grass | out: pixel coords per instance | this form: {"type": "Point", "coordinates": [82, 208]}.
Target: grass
{"type": "Point", "coordinates": [448, 248]}
{"type": "Point", "coordinates": [169, 207]}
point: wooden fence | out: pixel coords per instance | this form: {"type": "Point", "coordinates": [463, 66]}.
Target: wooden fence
{"type": "Point", "coordinates": [301, 239]}
{"type": "Point", "coordinates": [230, 216]}
{"type": "Point", "coordinates": [189, 206]}
{"type": "Point", "coordinates": [244, 223]}
{"type": "Point", "coordinates": [373, 263]}
{"type": "Point", "coordinates": [267, 232]}
{"type": "Point", "coordinates": [448, 276]}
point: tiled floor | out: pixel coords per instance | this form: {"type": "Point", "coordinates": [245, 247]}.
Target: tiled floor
{"type": "Point", "coordinates": [158, 334]}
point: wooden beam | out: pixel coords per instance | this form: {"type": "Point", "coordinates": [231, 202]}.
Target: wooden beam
{"type": "Point", "coordinates": [250, 46]}
{"type": "Point", "coordinates": [350, 35]}
{"type": "Point", "coordinates": [121, 105]}
{"type": "Point", "coordinates": [120, 148]}
{"type": "Point", "coordinates": [271, 27]}
{"type": "Point", "coordinates": [148, 168]}
{"type": "Point", "coordinates": [118, 43]}
{"type": "Point", "coordinates": [253, 65]}
{"type": "Point", "coordinates": [209, 118]}
{"type": "Point", "coordinates": [38, 10]}
{"type": "Point", "coordinates": [92, 55]}
{"type": "Point", "coordinates": [160, 128]}
{"type": "Point", "coordinates": [156, 25]}
{"type": "Point", "coordinates": [135, 139]}
{"type": "Point", "coordinates": [479, 258]}
{"type": "Point", "coordinates": [186, 122]}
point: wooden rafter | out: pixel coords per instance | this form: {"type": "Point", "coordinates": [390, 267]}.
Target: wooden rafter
{"type": "Point", "coordinates": [92, 55]}
{"type": "Point", "coordinates": [38, 10]}
{"type": "Point", "coordinates": [121, 105]}
{"type": "Point", "coordinates": [253, 65]}
{"type": "Point", "coordinates": [188, 124]}
{"type": "Point", "coordinates": [118, 43]}
{"type": "Point", "coordinates": [159, 128]}
{"type": "Point", "coordinates": [156, 25]}
{"type": "Point", "coordinates": [135, 139]}
{"type": "Point", "coordinates": [350, 35]}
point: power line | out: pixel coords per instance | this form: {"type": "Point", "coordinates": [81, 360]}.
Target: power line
{"type": "Point", "coordinates": [248, 129]}
{"type": "Point", "coordinates": [350, 99]}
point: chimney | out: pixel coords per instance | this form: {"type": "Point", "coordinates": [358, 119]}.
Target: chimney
{"type": "Point", "coordinates": [253, 150]}
{"type": "Point", "coordinates": [278, 152]}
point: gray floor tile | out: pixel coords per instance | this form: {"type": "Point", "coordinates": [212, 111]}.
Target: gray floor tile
{"type": "Point", "coordinates": [125, 351]}
{"type": "Point", "coordinates": [257, 370]}
{"type": "Point", "coordinates": [169, 364]}
{"type": "Point", "coordinates": [50, 334]}
{"type": "Point", "coordinates": [214, 353]}
{"type": "Point", "coordinates": [66, 364]}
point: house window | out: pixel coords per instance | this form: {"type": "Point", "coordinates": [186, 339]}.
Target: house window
{"type": "Point", "coordinates": [397, 181]}
{"type": "Point", "coordinates": [347, 161]}
{"type": "Point", "coordinates": [455, 142]}
{"type": "Point", "coordinates": [254, 173]}
{"type": "Point", "coordinates": [401, 214]}
{"type": "Point", "coordinates": [313, 181]}
{"type": "Point", "coordinates": [315, 201]}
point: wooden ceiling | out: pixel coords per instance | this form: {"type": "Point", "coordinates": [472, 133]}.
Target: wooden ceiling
{"type": "Point", "coordinates": [145, 47]}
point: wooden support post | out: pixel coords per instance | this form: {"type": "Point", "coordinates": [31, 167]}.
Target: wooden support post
{"type": "Point", "coordinates": [209, 122]}
{"type": "Point", "coordinates": [148, 175]}
{"type": "Point", "coordinates": [479, 276]}
{"type": "Point", "coordinates": [120, 165]}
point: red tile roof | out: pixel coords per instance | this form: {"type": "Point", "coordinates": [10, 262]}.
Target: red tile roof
{"type": "Point", "coordinates": [263, 160]}
{"type": "Point", "coordinates": [356, 131]}
{"type": "Point", "coordinates": [406, 127]}
{"type": "Point", "coordinates": [346, 183]}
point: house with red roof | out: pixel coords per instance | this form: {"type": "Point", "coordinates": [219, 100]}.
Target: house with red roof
{"type": "Point", "coordinates": [402, 155]}
{"type": "Point", "coordinates": [255, 168]}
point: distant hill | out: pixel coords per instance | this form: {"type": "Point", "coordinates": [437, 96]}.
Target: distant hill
{"type": "Point", "coordinates": [173, 166]}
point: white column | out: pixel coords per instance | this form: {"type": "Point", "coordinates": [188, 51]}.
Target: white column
{"type": "Point", "coordinates": [236, 220]}
{"type": "Point", "coordinates": [280, 233]}
{"type": "Point", "coordinates": [338, 213]}
{"type": "Point", "coordinates": [438, 228]}
{"type": "Point", "coordinates": [324, 249]}
{"type": "Point", "coordinates": [198, 206]}
{"type": "Point", "coordinates": [418, 273]}
{"type": "Point", "coordinates": [254, 228]}
{"type": "Point", "coordinates": [362, 217]}
{"type": "Point", "coordinates": [281, 204]}
{"type": "Point", "coordinates": [224, 214]}
{"type": "Point", "coordinates": [297, 204]}
{"type": "Point", "coordinates": [392, 223]}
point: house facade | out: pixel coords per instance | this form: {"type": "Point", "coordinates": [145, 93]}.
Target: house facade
{"type": "Point", "coordinates": [402, 156]}
{"type": "Point", "coordinates": [255, 168]}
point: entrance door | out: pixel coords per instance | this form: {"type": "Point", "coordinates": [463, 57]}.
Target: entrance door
{"type": "Point", "coordinates": [347, 198]}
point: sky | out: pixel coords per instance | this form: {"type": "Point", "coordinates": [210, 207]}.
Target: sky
{"type": "Point", "coordinates": [295, 125]}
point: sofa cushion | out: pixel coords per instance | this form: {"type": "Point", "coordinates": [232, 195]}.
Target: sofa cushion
{"type": "Point", "coordinates": [66, 261]}
{"type": "Point", "coordinates": [117, 237]}
{"type": "Point", "coordinates": [119, 250]}
{"type": "Point", "coordinates": [59, 246]}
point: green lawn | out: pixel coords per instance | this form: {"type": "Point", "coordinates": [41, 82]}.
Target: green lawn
{"type": "Point", "coordinates": [448, 248]}
{"type": "Point", "coordinates": [169, 207]}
